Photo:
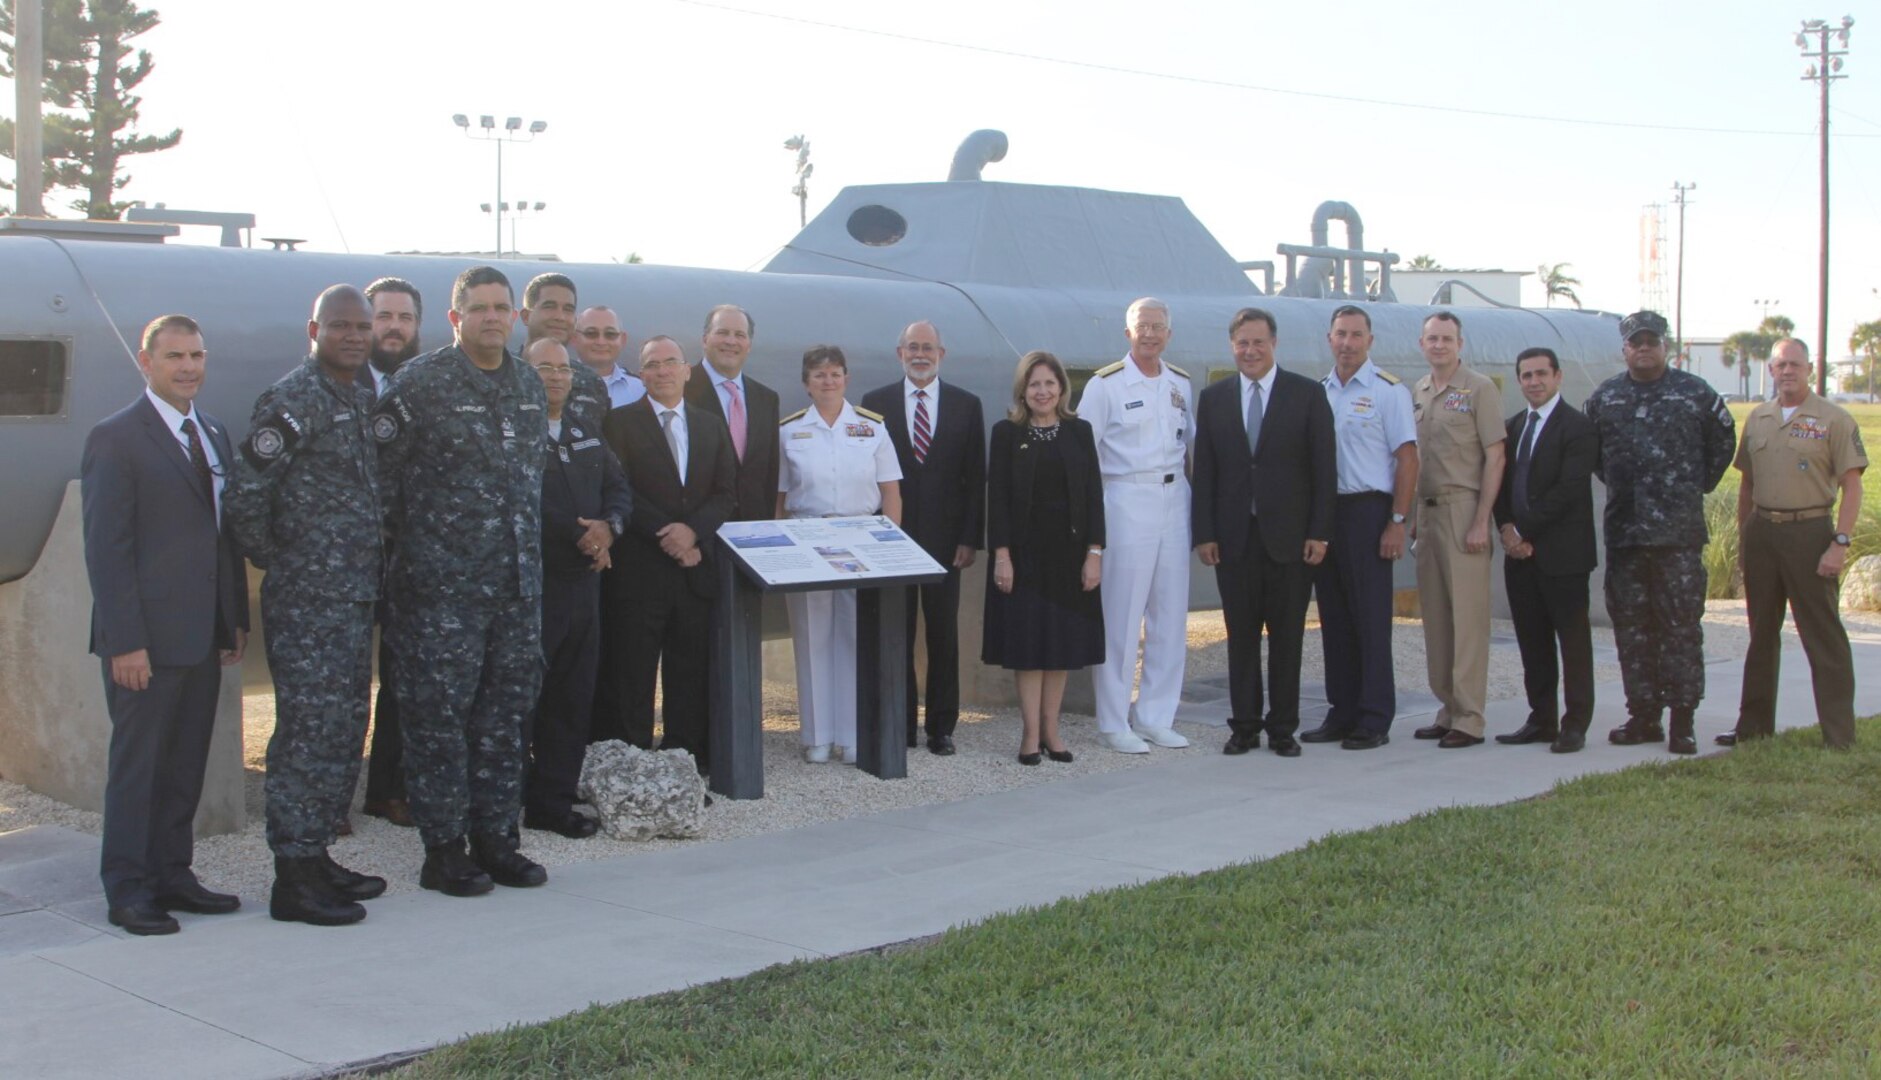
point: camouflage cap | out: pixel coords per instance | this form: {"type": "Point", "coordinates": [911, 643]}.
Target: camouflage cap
{"type": "Point", "coordinates": [1641, 322]}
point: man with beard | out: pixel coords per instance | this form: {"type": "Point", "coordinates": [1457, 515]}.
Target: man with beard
{"type": "Point", "coordinates": [548, 311]}
{"type": "Point", "coordinates": [397, 311]}
{"type": "Point", "coordinates": [304, 502]}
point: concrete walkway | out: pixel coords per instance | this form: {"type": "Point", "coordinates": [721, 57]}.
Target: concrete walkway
{"type": "Point", "coordinates": [243, 996]}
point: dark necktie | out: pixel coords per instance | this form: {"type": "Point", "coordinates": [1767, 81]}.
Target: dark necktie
{"type": "Point", "coordinates": [200, 459]}
{"type": "Point", "coordinates": [1522, 454]}
{"type": "Point", "coordinates": [923, 429]}
{"type": "Point", "coordinates": [1254, 416]}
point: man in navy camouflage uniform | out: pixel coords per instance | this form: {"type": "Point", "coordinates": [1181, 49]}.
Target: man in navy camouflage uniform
{"type": "Point", "coordinates": [304, 501]}
{"type": "Point", "coordinates": [548, 311]}
{"type": "Point", "coordinates": [461, 435]}
{"type": "Point", "coordinates": [1665, 440]}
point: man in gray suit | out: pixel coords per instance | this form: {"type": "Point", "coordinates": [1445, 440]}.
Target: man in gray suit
{"type": "Point", "coordinates": [169, 609]}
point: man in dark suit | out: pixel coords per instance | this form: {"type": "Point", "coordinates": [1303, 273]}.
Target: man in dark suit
{"type": "Point", "coordinates": [747, 406]}
{"type": "Point", "coordinates": [682, 468]}
{"type": "Point", "coordinates": [940, 437]}
{"type": "Point", "coordinates": [1545, 511]}
{"type": "Point", "coordinates": [1265, 478]}
{"type": "Point", "coordinates": [169, 608]}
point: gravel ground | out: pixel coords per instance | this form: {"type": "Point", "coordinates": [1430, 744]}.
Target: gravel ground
{"type": "Point", "coordinates": [797, 794]}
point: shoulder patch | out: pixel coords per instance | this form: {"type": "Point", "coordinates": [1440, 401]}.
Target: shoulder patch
{"type": "Point", "coordinates": [1387, 376]}
{"type": "Point", "coordinates": [271, 438]}
{"type": "Point", "coordinates": [1175, 369]}
{"type": "Point", "coordinates": [793, 416]}
{"type": "Point", "coordinates": [1108, 370]}
{"type": "Point", "coordinates": [869, 413]}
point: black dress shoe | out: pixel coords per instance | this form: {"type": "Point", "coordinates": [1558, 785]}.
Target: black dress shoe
{"type": "Point", "coordinates": [497, 856]}
{"type": "Point", "coordinates": [1364, 740]}
{"type": "Point", "coordinates": [913, 740]}
{"type": "Point", "coordinates": [448, 870]}
{"type": "Point", "coordinates": [1032, 758]}
{"type": "Point", "coordinates": [569, 823]}
{"type": "Point", "coordinates": [1062, 756]}
{"type": "Point", "coordinates": [1241, 744]}
{"type": "Point", "coordinates": [1457, 740]}
{"type": "Point", "coordinates": [1284, 745]}
{"type": "Point", "coordinates": [1729, 738]}
{"type": "Point", "coordinates": [1568, 742]}
{"type": "Point", "coordinates": [1430, 731]}
{"type": "Point", "coordinates": [196, 900]}
{"type": "Point", "coordinates": [940, 745]}
{"type": "Point", "coordinates": [1530, 732]}
{"type": "Point", "coordinates": [1323, 733]}
{"type": "Point", "coordinates": [144, 920]}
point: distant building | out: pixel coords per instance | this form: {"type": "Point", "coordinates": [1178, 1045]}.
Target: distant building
{"type": "Point", "coordinates": [1420, 286]}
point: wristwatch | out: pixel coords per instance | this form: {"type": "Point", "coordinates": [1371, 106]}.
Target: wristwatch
{"type": "Point", "coordinates": [1841, 539]}
{"type": "Point", "coordinates": [1397, 519]}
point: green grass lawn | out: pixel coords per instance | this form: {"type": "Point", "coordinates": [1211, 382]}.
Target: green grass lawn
{"type": "Point", "coordinates": [1712, 918]}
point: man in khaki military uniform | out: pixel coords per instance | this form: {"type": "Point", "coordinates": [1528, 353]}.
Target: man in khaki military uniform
{"type": "Point", "coordinates": [1460, 440]}
{"type": "Point", "coordinates": [1797, 450]}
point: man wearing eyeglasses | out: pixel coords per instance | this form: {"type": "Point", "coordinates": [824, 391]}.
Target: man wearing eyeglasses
{"type": "Point", "coordinates": [599, 340]}
{"type": "Point", "coordinates": [1666, 439]}
{"type": "Point", "coordinates": [585, 505]}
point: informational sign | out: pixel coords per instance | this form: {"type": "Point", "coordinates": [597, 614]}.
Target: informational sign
{"type": "Point", "coordinates": [828, 552]}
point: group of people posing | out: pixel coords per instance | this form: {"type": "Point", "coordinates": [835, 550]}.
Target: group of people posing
{"type": "Point", "coordinates": [532, 534]}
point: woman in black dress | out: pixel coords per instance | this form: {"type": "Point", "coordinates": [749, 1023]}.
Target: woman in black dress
{"type": "Point", "coordinates": [1045, 527]}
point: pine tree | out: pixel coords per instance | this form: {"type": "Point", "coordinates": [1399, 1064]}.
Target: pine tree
{"type": "Point", "coordinates": [90, 73]}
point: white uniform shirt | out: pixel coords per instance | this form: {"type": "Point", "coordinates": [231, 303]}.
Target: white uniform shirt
{"type": "Point", "coordinates": [1371, 418]}
{"type": "Point", "coordinates": [1144, 425]}
{"type": "Point", "coordinates": [834, 470]}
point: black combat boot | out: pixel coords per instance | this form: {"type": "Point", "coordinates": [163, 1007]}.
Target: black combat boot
{"type": "Point", "coordinates": [448, 870]}
{"type": "Point", "coordinates": [1682, 740]}
{"type": "Point", "coordinates": [301, 894]}
{"type": "Point", "coordinates": [349, 883]}
{"type": "Point", "coordinates": [1642, 726]}
{"type": "Point", "coordinates": [498, 857]}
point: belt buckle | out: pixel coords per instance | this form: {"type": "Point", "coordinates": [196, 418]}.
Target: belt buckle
{"type": "Point", "coordinates": [1430, 501]}
{"type": "Point", "coordinates": [1169, 478]}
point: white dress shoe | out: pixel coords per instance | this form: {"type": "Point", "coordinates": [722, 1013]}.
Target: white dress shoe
{"type": "Point", "coordinates": [1167, 738]}
{"type": "Point", "coordinates": [844, 754]}
{"type": "Point", "coordinates": [1124, 743]}
{"type": "Point", "coordinates": [816, 755]}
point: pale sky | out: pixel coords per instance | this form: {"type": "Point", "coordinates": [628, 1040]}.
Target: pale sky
{"type": "Point", "coordinates": [666, 119]}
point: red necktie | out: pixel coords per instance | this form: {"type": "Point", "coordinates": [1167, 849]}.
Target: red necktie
{"type": "Point", "coordinates": [923, 430]}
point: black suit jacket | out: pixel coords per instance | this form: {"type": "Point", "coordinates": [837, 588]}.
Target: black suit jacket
{"type": "Point", "coordinates": [1010, 476]}
{"type": "Point", "coordinates": [1292, 477]}
{"type": "Point", "coordinates": [164, 577]}
{"type": "Point", "coordinates": [702, 503]}
{"type": "Point", "coordinates": [942, 499]}
{"type": "Point", "coordinates": [755, 496]}
{"type": "Point", "coordinates": [1560, 517]}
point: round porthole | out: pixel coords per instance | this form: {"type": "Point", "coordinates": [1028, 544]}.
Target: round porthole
{"type": "Point", "coordinates": [877, 226]}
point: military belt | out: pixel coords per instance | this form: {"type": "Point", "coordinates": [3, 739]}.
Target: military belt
{"type": "Point", "coordinates": [1779, 517]}
{"type": "Point", "coordinates": [1143, 478]}
{"type": "Point", "coordinates": [1447, 496]}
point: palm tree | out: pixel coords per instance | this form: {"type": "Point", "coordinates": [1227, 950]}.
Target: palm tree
{"type": "Point", "coordinates": [1865, 342]}
{"type": "Point", "coordinates": [1556, 280]}
{"type": "Point", "coordinates": [1422, 262]}
{"type": "Point", "coordinates": [1740, 351]}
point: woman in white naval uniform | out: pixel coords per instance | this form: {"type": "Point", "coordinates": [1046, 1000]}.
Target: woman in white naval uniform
{"type": "Point", "coordinates": [837, 461]}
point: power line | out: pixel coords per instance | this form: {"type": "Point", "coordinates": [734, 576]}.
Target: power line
{"type": "Point", "coordinates": [1224, 84]}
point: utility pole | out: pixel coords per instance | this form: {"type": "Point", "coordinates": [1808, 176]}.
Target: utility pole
{"type": "Point", "coordinates": [29, 76]}
{"type": "Point", "coordinates": [1824, 70]}
{"type": "Point", "coordinates": [1678, 304]}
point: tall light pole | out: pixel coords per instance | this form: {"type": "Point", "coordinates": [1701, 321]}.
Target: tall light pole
{"type": "Point", "coordinates": [511, 132]}
{"type": "Point", "coordinates": [1678, 303]}
{"type": "Point", "coordinates": [1827, 63]}
{"type": "Point", "coordinates": [29, 77]}
{"type": "Point", "coordinates": [802, 191]}
{"type": "Point", "coordinates": [514, 211]}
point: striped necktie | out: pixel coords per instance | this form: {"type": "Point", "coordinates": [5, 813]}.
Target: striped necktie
{"type": "Point", "coordinates": [923, 429]}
